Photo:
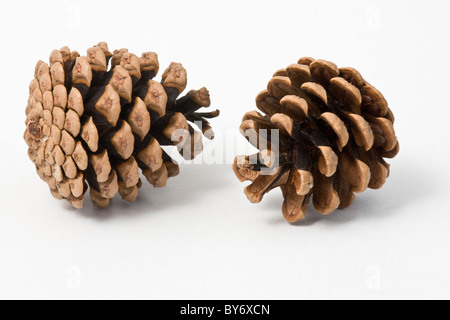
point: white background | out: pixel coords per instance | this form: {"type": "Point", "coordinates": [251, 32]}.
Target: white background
{"type": "Point", "coordinates": [199, 238]}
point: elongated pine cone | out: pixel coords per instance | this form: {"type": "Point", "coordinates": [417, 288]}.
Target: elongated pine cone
{"type": "Point", "coordinates": [335, 129]}
{"type": "Point", "coordinates": [95, 120]}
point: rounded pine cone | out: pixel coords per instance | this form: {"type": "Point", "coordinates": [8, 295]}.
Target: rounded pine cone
{"type": "Point", "coordinates": [95, 120]}
{"type": "Point", "coordinates": [335, 129]}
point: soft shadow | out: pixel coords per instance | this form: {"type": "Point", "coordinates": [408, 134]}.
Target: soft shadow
{"type": "Point", "coordinates": [406, 186]}
{"type": "Point", "coordinates": [195, 183]}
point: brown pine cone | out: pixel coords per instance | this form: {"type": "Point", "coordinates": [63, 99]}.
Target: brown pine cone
{"type": "Point", "coordinates": [93, 125]}
{"type": "Point", "coordinates": [334, 130]}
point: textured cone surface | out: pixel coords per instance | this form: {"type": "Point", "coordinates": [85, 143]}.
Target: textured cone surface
{"type": "Point", "coordinates": [335, 129]}
{"type": "Point", "coordinates": [97, 121]}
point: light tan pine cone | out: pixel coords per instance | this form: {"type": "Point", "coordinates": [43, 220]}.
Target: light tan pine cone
{"type": "Point", "coordinates": [335, 131]}
{"type": "Point", "coordinates": [97, 120]}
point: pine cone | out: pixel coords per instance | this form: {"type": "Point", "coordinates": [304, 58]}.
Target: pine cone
{"type": "Point", "coordinates": [335, 129]}
{"type": "Point", "coordinates": [90, 125]}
